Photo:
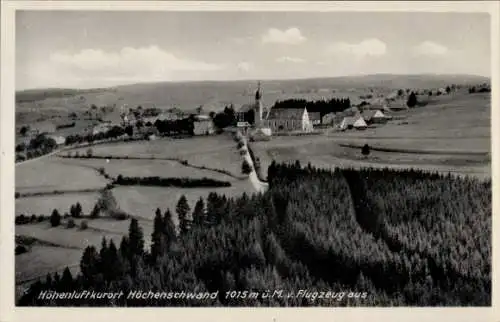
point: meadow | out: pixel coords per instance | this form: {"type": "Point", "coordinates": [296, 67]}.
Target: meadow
{"type": "Point", "coordinates": [49, 174]}
{"type": "Point", "coordinates": [43, 205]}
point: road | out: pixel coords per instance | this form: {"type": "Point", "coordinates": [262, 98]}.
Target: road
{"type": "Point", "coordinates": [254, 179]}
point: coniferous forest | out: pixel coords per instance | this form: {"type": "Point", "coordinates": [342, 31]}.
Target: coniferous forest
{"type": "Point", "coordinates": [384, 237]}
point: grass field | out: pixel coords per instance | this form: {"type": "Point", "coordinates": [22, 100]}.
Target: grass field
{"type": "Point", "coordinates": [217, 151]}
{"type": "Point", "coordinates": [147, 168]}
{"type": "Point", "coordinates": [49, 174]}
{"type": "Point", "coordinates": [43, 205]}
{"type": "Point", "coordinates": [66, 237]}
{"type": "Point", "coordinates": [143, 201]}
{"type": "Point", "coordinates": [41, 260]}
{"type": "Point", "coordinates": [453, 129]}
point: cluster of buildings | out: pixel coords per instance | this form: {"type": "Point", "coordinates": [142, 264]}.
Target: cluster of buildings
{"type": "Point", "coordinates": [276, 120]}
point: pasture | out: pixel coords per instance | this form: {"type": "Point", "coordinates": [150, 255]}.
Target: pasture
{"type": "Point", "coordinates": [43, 205]}
{"type": "Point", "coordinates": [217, 152]}
{"type": "Point", "coordinates": [66, 237]}
{"type": "Point", "coordinates": [49, 174]}
{"type": "Point", "coordinates": [142, 202]}
{"type": "Point", "coordinates": [147, 168]}
{"type": "Point", "coordinates": [41, 260]}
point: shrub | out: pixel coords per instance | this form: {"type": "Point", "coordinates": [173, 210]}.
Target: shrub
{"type": "Point", "coordinates": [119, 215]}
{"type": "Point", "coordinates": [20, 249]}
{"type": "Point", "coordinates": [240, 145]}
{"type": "Point", "coordinates": [33, 218]}
{"type": "Point", "coordinates": [22, 219]}
{"type": "Point", "coordinates": [245, 167]}
{"type": "Point", "coordinates": [41, 218]}
{"type": "Point", "coordinates": [365, 150]}
{"type": "Point", "coordinates": [412, 100]}
{"type": "Point", "coordinates": [17, 195]}
{"type": "Point", "coordinates": [84, 225]}
{"type": "Point", "coordinates": [55, 218]}
{"type": "Point", "coordinates": [70, 223]}
{"type": "Point", "coordinates": [243, 152]}
{"type": "Point", "coordinates": [66, 215]}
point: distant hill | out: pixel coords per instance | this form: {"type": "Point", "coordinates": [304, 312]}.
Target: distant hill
{"type": "Point", "coordinates": [214, 95]}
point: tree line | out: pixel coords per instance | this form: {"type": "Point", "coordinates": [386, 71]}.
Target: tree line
{"type": "Point", "coordinates": [332, 105]}
{"type": "Point", "coordinates": [171, 182]}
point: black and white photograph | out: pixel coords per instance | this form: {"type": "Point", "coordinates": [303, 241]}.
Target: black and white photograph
{"type": "Point", "coordinates": [214, 158]}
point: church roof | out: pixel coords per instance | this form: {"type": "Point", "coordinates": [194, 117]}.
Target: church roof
{"type": "Point", "coordinates": [286, 113]}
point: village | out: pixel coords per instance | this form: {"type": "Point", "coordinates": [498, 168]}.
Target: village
{"type": "Point", "coordinates": [254, 119]}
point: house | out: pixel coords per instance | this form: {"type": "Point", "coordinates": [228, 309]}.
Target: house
{"type": "Point", "coordinates": [350, 122]}
{"type": "Point", "coordinates": [374, 116]}
{"type": "Point", "coordinates": [203, 126]}
{"type": "Point", "coordinates": [60, 140]}
{"type": "Point", "coordinates": [37, 128]}
{"type": "Point", "coordinates": [315, 118]}
{"type": "Point", "coordinates": [289, 119]}
{"type": "Point", "coordinates": [101, 128]}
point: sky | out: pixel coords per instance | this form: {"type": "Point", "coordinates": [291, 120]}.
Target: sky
{"type": "Point", "coordinates": [85, 49]}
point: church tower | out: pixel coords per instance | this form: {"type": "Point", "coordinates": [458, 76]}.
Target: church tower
{"type": "Point", "coordinates": [258, 107]}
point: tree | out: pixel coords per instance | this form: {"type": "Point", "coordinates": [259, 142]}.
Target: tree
{"type": "Point", "coordinates": [66, 280]}
{"type": "Point", "coordinates": [199, 213]}
{"type": "Point", "coordinates": [182, 209]}
{"type": "Point", "coordinates": [89, 152]}
{"type": "Point", "coordinates": [95, 211]}
{"type": "Point", "coordinates": [71, 223]}
{"type": "Point", "coordinates": [136, 238]}
{"type": "Point", "coordinates": [169, 226]}
{"type": "Point", "coordinates": [55, 218]}
{"type": "Point", "coordinates": [400, 92]}
{"type": "Point", "coordinates": [89, 264]}
{"type": "Point", "coordinates": [158, 237]}
{"type": "Point", "coordinates": [24, 130]}
{"type": "Point", "coordinates": [365, 150]}
{"type": "Point", "coordinates": [79, 211]}
{"type": "Point", "coordinates": [412, 100]}
{"type": "Point", "coordinates": [245, 167]}
{"type": "Point", "coordinates": [448, 89]}
{"type": "Point", "coordinates": [129, 130]}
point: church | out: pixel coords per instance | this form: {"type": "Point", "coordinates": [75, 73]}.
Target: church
{"type": "Point", "coordinates": [275, 119]}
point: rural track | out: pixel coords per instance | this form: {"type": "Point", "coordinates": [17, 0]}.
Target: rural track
{"type": "Point", "coordinates": [258, 185]}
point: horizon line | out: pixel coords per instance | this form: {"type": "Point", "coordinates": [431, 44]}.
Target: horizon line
{"type": "Point", "coordinates": [248, 80]}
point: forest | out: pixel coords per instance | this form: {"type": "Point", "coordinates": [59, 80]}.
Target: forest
{"type": "Point", "coordinates": [324, 107]}
{"type": "Point", "coordinates": [384, 237]}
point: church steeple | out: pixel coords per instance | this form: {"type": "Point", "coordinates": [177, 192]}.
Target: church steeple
{"type": "Point", "coordinates": [258, 94]}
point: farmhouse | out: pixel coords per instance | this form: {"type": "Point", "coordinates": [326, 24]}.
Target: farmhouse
{"type": "Point", "coordinates": [101, 128]}
{"type": "Point", "coordinates": [203, 125]}
{"type": "Point", "coordinates": [350, 122]}
{"type": "Point", "coordinates": [289, 119]}
{"type": "Point", "coordinates": [315, 118]}
{"type": "Point", "coordinates": [374, 116]}
{"type": "Point", "coordinates": [41, 127]}
{"type": "Point", "coordinates": [60, 140]}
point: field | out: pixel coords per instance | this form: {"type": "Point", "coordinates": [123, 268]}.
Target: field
{"type": "Point", "coordinates": [143, 201]}
{"type": "Point", "coordinates": [212, 151]}
{"type": "Point", "coordinates": [451, 134]}
{"type": "Point", "coordinates": [63, 174]}
{"type": "Point", "coordinates": [49, 174]}
{"type": "Point", "coordinates": [43, 205]}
